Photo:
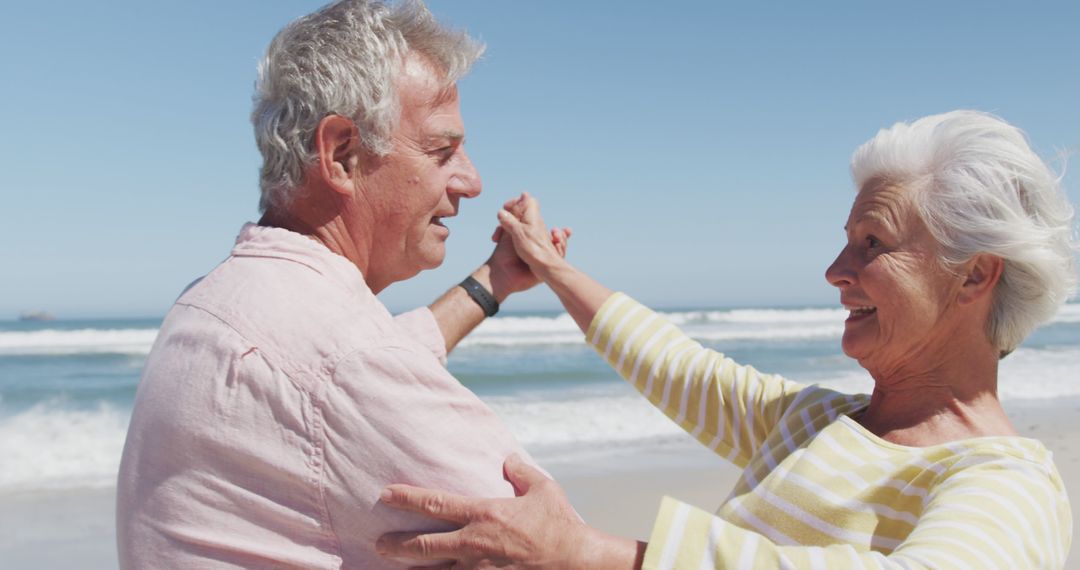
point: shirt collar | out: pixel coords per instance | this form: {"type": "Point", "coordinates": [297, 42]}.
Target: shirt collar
{"type": "Point", "coordinates": [265, 241]}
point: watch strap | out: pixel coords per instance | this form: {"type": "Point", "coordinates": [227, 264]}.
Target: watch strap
{"type": "Point", "coordinates": [481, 295]}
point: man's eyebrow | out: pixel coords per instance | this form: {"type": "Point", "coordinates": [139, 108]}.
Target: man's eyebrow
{"type": "Point", "coordinates": [450, 135]}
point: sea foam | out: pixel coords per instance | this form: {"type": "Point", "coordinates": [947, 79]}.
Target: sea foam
{"type": "Point", "coordinates": [506, 331]}
{"type": "Point", "coordinates": [738, 324]}
{"type": "Point", "coordinates": [49, 447]}
{"type": "Point", "coordinates": [714, 325]}
{"type": "Point", "coordinates": [82, 341]}
{"type": "Point", "coordinates": [1068, 314]}
{"type": "Point", "coordinates": [603, 416]}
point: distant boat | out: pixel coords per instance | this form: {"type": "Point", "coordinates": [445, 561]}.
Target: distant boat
{"type": "Point", "coordinates": [36, 316]}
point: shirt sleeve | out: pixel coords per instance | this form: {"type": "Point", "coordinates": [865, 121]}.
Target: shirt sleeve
{"type": "Point", "coordinates": [728, 407]}
{"type": "Point", "coordinates": [421, 326]}
{"type": "Point", "coordinates": [390, 413]}
{"type": "Point", "coordinates": [987, 513]}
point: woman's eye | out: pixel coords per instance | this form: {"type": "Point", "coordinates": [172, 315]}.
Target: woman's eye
{"type": "Point", "coordinates": [872, 242]}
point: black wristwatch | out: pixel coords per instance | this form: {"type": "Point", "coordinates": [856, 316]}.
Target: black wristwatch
{"type": "Point", "coordinates": [481, 295]}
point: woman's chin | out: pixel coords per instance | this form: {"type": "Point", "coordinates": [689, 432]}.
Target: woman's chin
{"type": "Point", "coordinates": [853, 346]}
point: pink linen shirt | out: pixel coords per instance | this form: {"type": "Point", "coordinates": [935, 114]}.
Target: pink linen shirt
{"type": "Point", "coordinates": [279, 398]}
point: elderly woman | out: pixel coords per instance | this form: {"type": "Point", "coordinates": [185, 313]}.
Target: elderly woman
{"type": "Point", "coordinates": [958, 245]}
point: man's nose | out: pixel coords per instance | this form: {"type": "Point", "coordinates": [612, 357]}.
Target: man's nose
{"type": "Point", "coordinates": [466, 181]}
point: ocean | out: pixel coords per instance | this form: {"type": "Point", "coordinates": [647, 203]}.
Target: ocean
{"type": "Point", "coordinates": [67, 387]}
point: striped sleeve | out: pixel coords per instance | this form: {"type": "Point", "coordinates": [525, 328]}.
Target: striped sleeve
{"type": "Point", "coordinates": [988, 513]}
{"type": "Point", "coordinates": [728, 407]}
{"type": "Point", "coordinates": [994, 511]}
{"type": "Point", "coordinates": [685, 537]}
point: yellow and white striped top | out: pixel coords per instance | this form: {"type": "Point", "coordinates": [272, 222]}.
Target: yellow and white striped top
{"type": "Point", "coordinates": [818, 490]}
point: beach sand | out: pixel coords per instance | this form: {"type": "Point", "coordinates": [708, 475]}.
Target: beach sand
{"type": "Point", "coordinates": [618, 494]}
{"type": "Point", "coordinates": [55, 530]}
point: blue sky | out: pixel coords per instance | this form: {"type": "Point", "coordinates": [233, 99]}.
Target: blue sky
{"type": "Point", "coordinates": [698, 149]}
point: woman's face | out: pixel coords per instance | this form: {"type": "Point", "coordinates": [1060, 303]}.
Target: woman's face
{"type": "Point", "coordinates": [899, 295]}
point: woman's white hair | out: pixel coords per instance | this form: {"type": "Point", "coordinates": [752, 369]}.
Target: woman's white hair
{"type": "Point", "coordinates": [342, 60]}
{"type": "Point", "coordinates": [983, 190]}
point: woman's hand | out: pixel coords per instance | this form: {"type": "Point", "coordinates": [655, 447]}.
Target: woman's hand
{"type": "Point", "coordinates": [537, 529]}
{"type": "Point", "coordinates": [544, 252]}
{"type": "Point", "coordinates": [540, 249]}
{"type": "Point", "coordinates": [509, 272]}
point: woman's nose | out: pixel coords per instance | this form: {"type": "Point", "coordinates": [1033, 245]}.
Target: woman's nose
{"type": "Point", "coordinates": [839, 274]}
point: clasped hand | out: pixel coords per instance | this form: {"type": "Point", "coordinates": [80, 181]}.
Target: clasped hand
{"type": "Point", "coordinates": [525, 248]}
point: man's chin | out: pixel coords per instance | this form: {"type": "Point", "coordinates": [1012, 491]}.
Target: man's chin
{"type": "Point", "coordinates": [432, 261]}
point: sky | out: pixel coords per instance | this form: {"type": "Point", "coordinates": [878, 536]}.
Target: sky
{"type": "Point", "coordinates": [699, 150]}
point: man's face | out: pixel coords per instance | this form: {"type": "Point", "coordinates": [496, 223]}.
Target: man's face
{"type": "Point", "coordinates": [412, 189]}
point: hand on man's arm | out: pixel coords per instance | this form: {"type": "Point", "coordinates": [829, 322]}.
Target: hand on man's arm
{"type": "Point", "coordinates": [536, 529]}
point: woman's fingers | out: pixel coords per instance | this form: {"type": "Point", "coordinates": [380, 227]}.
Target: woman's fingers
{"type": "Point", "coordinates": [525, 208]}
{"type": "Point", "coordinates": [538, 529]}
{"type": "Point", "coordinates": [560, 239]}
{"type": "Point", "coordinates": [509, 223]}
{"type": "Point", "coordinates": [419, 545]}
{"type": "Point", "coordinates": [521, 475]}
{"type": "Point", "coordinates": [433, 504]}
{"type": "Point", "coordinates": [561, 234]}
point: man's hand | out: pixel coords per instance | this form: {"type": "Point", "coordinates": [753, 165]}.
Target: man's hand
{"type": "Point", "coordinates": [502, 274]}
{"type": "Point", "coordinates": [540, 249]}
{"type": "Point", "coordinates": [509, 273]}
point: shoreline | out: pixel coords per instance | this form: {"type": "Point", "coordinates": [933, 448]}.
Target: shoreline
{"type": "Point", "coordinates": [616, 493]}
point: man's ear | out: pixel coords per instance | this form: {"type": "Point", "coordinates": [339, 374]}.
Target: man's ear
{"type": "Point", "coordinates": [337, 144]}
{"type": "Point", "coordinates": [981, 275]}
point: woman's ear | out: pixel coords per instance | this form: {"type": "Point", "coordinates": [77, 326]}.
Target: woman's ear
{"type": "Point", "coordinates": [337, 144]}
{"type": "Point", "coordinates": [981, 274]}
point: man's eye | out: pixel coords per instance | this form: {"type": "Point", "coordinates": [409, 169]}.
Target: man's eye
{"type": "Point", "coordinates": [443, 153]}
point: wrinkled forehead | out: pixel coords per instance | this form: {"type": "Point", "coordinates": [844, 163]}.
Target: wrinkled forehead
{"type": "Point", "coordinates": [885, 202]}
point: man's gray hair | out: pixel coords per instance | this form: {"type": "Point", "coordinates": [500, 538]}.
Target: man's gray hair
{"type": "Point", "coordinates": [981, 189]}
{"type": "Point", "coordinates": [342, 60]}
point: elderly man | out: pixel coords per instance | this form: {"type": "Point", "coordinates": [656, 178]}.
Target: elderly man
{"type": "Point", "coordinates": [281, 395]}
